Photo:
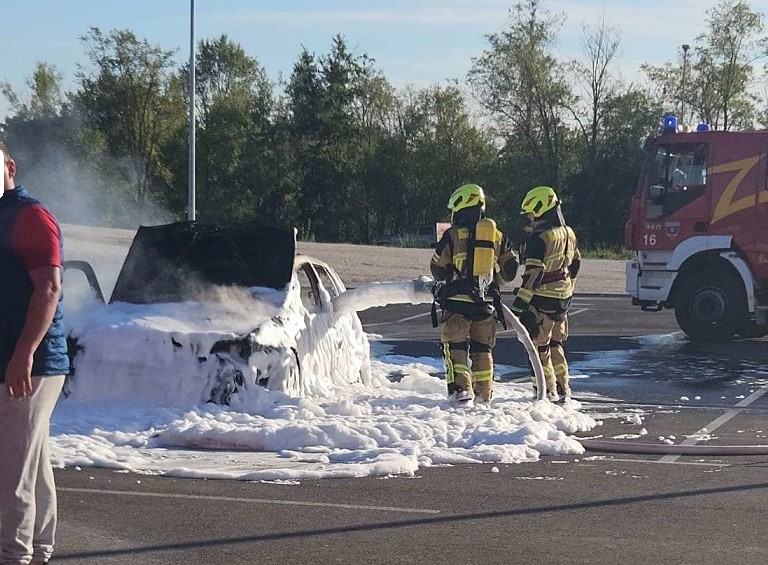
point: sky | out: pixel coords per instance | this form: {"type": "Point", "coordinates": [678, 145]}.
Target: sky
{"type": "Point", "coordinates": [415, 42]}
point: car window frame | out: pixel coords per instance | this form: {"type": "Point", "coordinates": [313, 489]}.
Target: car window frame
{"type": "Point", "coordinates": [314, 292]}
{"type": "Point", "coordinates": [324, 272]}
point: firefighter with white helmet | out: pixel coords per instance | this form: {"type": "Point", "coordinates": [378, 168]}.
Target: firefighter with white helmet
{"type": "Point", "coordinates": [552, 260]}
{"type": "Point", "coordinates": [471, 261]}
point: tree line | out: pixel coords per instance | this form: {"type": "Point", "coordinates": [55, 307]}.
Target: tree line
{"type": "Point", "coordinates": [338, 152]}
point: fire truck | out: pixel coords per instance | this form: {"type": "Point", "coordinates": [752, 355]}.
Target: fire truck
{"type": "Point", "coordinates": [698, 228]}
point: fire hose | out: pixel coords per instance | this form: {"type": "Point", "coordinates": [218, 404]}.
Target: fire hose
{"type": "Point", "coordinates": [533, 355]}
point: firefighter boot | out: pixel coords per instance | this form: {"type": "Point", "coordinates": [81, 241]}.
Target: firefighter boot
{"type": "Point", "coordinates": [483, 391]}
{"type": "Point", "coordinates": [461, 389]}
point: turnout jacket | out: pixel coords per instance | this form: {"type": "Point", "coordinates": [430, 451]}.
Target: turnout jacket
{"type": "Point", "coordinates": [29, 238]}
{"type": "Point", "coordinates": [552, 260]}
{"type": "Point", "coordinates": [448, 266]}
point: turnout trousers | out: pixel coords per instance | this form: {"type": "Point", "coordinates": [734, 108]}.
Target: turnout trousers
{"type": "Point", "coordinates": [549, 342]}
{"type": "Point", "coordinates": [467, 340]}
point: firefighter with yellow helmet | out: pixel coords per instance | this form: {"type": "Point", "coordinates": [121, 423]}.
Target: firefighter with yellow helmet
{"type": "Point", "coordinates": [552, 260]}
{"type": "Point", "coordinates": [471, 261]}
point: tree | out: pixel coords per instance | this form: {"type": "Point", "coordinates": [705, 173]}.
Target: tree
{"type": "Point", "coordinates": [600, 195]}
{"type": "Point", "coordinates": [325, 97]}
{"type": "Point", "coordinates": [234, 129]}
{"type": "Point", "coordinates": [594, 76]}
{"type": "Point", "coordinates": [593, 116]}
{"type": "Point", "coordinates": [46, 98]}
{"type": "Point", "coordinates": [445, 149]}
{"type": "Point", "coordinates": [60, 158]}
{"type": "Point", "coordinates": [126, 97]}
{"type": "Point", "coordinates": [381, 178]}
{"type": "Point", "coordinates": [721, 71]}
{"type": "Point", "coordinates": [522, 85]}
{"type": "Point", "coordinates": [731, 46]}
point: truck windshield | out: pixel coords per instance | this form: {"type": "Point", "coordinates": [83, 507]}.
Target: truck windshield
{"type": "Point", "coordinates": [677, 175]}
{"type": "Point", "coordinates": [681, 165]}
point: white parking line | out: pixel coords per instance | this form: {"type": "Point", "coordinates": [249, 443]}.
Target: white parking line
{"type": "Point", "coordinates": [396, 322]}
{"type": "Point", "coordinates": [247, 500]}
{"type": "Point", "coordinates": [417, 316]}
{"type": "Point", "coordinates": [717, 422]}
{"type": "Point", "coordinates": [662, 462]}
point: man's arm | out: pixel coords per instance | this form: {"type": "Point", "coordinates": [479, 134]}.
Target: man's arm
{"type": "Point", "coordinates": [573, 268]}
{"type": "Point", "coordinates": [46, 282]}
{"type": "Point", "coordinates": [36, 239]}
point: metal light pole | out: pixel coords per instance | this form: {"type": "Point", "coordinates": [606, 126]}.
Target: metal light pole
{"type": "Point", "coordinates": [685, 68]}
{"type": "Point", "coordinates": [191, 186]}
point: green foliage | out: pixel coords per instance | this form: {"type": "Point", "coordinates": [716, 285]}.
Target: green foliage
{"type": "Point", "coordinates": [600, 191]}
{"type": "Point", "coordinates": [59, 157]}
{"type": "Point", "coordinates": [326, 97]}
{"type": "Point", "coordinates": [46, 96]}
{"type": "Point", "coordinates": [714, 86]}
{"type": "Point", "coordinates": [234, 145]}
{"type": "Point", "coordinates": [605, 252]}
{"type": "Point", "coordinates": [125, 97]}
{"type": "Point", "coordinates": [522, 84]}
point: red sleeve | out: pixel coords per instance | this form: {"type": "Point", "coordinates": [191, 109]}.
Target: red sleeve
{"type": "Point", "coordinates": [36, 239]}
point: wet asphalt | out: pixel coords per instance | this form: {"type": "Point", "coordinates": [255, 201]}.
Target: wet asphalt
{"type": "Point", "coordinates": [637, 373]}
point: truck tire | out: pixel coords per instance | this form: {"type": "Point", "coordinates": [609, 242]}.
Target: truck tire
{"type": "Point", "coordinates": [710, 306]}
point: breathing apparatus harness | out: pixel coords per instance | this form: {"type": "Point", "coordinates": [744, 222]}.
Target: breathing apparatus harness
{"type": "Point", "coordinates": [476, 276]}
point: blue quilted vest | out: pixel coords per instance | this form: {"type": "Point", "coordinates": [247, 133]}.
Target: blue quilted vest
{"type": "Point", "coordinates": [15, 292]}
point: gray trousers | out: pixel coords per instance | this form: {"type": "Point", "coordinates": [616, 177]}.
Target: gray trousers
{"type": "Point", "coordinates": [27, 489]}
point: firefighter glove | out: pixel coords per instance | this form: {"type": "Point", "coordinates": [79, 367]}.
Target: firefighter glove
{"type": "Point", "coordinates": [528, 319]}
{"type": "Point", "coordinates": [519, 306]}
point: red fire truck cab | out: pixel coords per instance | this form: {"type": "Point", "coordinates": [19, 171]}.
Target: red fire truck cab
{"type": "Point", "coordinates": [698, 228]}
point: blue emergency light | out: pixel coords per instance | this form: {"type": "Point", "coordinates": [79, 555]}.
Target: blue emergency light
{"type": "Point", "coordinates": [702, 127]}
{"type": "Point", "coordinates": [669, 123]}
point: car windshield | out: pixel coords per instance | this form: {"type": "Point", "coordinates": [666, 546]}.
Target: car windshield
{"type": "Point", "coordinates": [182, 261]}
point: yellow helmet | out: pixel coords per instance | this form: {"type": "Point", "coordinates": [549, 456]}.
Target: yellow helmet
{"type": "Point", "coordinates": [465, 197]}
{"type": "Point", "coordinates": [539, 200]}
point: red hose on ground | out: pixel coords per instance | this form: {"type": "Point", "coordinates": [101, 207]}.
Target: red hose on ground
{"type": "Point", "coordinates": [664, 449]}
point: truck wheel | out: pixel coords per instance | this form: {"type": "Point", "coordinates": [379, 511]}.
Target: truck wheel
{"type": "Point", "coordinates": [710, 306]}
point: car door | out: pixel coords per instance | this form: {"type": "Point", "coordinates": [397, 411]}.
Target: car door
{"type": "Point", "coordinates": [332, 346]}
{"type": "Point", "coordinates": [352, 359]}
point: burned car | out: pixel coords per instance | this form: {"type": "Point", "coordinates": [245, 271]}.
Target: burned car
{"type": "Point", "coordinates": [202, 313]}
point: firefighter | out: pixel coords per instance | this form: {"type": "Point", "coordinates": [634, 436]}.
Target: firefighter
{"type": "Point", "coordinates": [471, 261]}
{"type": "Point", "coordinates": [552, 259]}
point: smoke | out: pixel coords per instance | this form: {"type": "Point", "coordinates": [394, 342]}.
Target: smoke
{"type": "Point", "coordinates": [93, 203]}
{"type": "Point", "coordinates": [105, 250]}
{"type": "Point", "coordinates": [95, 191]}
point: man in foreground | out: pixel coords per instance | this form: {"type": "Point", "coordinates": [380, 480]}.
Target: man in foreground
{"type": "Point", "coordinates": [33, 365]}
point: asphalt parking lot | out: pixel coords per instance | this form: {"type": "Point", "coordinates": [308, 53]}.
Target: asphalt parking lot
{"type": "Point", "coordinates": [597, 507]}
